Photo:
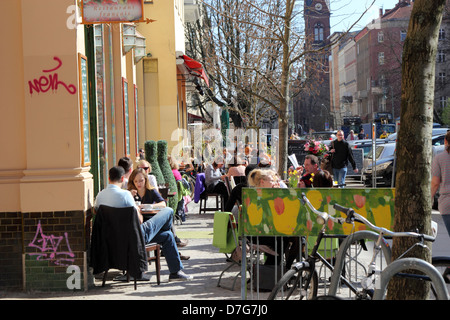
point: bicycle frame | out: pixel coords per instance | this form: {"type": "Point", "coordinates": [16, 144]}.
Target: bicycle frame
{"type": "Point", "coordinates": [310, 261]}
{"type": "Point", "coordinates": [380, 281]}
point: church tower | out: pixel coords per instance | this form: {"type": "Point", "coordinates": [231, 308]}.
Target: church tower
{"type": "Point", "coordinates": [317, 22]}
{"type": "Point", "coordinates": [312, 106]}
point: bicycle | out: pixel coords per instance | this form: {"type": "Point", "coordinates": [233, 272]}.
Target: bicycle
{"type": "Point", "coordinates": [442, 264]}
{"type": "Point", "coordinates": [372, 280]}
{"type": "Point", "coordinates": [302, 280]}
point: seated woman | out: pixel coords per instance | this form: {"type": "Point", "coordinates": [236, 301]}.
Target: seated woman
{"type": "Point", "coordinates": [214, 179]}
{"type": "Point", "coordinates": [144, 164]}
{"type": "Point", "coordinates": [237, 170]}
{"type": "Point", "coordinates": [175, 168]}
{"type": "Point", "coordinates": [262, 178]}
{"type": "Point", "coordinates": [142, 191]}
{"type": "Point", "coordinates": [266, 178]}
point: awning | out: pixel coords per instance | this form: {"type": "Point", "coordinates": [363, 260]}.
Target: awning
{"type": "Point", "coordinates": [194, 118]}
{"type": "Point", "coordinates": [195, 68]}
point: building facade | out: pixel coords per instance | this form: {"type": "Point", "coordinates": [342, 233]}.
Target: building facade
{"type": "Point", "coordinates": [311, 108]}
{"type": "Point", "coordinates": [75, 99]}
{"type": "Point", "coordinates": [378, 48]}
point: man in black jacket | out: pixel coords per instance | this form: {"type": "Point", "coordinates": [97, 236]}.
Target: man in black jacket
{"type": "Point", "coordinates": [341, 155]}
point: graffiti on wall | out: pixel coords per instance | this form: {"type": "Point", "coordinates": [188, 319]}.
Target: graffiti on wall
{"type": "Point", "coordinates": [49, 248]}
{"type": "Point", "coordinates": [50, 81]}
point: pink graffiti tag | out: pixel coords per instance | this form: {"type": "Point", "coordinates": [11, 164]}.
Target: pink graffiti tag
{"type": "Point", "coordinates": [48, 245]}
{"type": "Point", "coordinates": [44, 83]}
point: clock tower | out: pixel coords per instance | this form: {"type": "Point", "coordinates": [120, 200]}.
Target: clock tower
{"type": "Point", "coordinates": [317, 22]}
{"type": "Point", "coordinates": [312, 106]}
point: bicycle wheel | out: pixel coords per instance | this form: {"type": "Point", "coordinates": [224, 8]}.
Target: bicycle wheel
{"type": "Point", "coordinates": [294, 285]}
{"type": "Point", "coordinates": [349, 279]}
{"type": "Point", "coordinates": [442, 264]}
{"type": "Point", "coordinates": [406, 264]}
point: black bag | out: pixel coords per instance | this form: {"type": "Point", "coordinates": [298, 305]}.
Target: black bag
{"type": "Point", "coordinates": [266, 277]}
{"type": "Point", "coordinates": [181, 213]}
{"type": "Point", "coordinates": [325, 164]}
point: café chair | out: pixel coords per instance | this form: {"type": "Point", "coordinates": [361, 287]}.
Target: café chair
{"type": "Point", "coordinates": [226, 240]}
{"type": "Point", "coordinates": [228, 185]}
{"type": "Point", "coordinates": [156, 249]}
{"type": "Point", "coordinates": [117, 243]}
{"type": "Point", "coordinates": [202, 196]}
{"type": "Point", "coordinates": [203, 208]}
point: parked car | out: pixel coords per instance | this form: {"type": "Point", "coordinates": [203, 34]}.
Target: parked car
{"type": "Point", "coordinates": [384, 155]}
{"type": "Point", "coordinates": [365, 144]}
{"type": "Point", "coordinates": [384, 164]}
{"type": "Point", "coordinates": [435, 132]}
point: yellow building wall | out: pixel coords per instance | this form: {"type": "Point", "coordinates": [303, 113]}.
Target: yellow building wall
{"type": "Point", "coordinates": [40, 131]}
{"type": "Point", "coordinates": [159, 82]}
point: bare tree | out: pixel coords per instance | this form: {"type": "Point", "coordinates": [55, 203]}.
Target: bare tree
{"type": "Point", "coordinates": [256, 57]}
{"type": "Point", "coordinates": [412, 198]}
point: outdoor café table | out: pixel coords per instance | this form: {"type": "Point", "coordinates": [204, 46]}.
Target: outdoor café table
{"type": "Point", "coordinates": [148, 213]}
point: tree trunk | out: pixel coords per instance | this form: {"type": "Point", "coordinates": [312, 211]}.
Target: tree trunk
{"type": "Point", "coordinates": [285, 91]}
{"type": "Point", "coordinates": [412, 196]}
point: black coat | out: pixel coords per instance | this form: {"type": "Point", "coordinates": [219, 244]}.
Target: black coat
{"type": "Point", "coordinates": [117, 241]}
{"type": "Point", "coordinates": [342, 155]}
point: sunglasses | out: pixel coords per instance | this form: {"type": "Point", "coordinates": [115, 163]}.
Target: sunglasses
{"type": "Point", "coordinates": [145, 168]}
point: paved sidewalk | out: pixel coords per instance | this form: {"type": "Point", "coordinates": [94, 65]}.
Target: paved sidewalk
{"type": "Point", "coordinates": [205, 264]}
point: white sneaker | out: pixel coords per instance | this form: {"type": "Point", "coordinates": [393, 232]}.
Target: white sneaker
{"type": "Point", "coordinates": [179, 276]}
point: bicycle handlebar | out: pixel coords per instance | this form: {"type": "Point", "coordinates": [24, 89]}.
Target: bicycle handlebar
{"type": "Point", "coordinates": [322, 217]}
{"type": "Point", "coordinates": [353, 216]}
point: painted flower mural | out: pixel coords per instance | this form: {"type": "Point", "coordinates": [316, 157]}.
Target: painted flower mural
{"type": "Point", "coordinates": [279, 211]}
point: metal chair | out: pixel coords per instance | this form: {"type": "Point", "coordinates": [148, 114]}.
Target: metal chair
{"type": "Point", "coordinates": [225, 239]}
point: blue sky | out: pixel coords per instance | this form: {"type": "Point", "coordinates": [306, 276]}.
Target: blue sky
{"type": "Point", "coordinates": [345, 12]}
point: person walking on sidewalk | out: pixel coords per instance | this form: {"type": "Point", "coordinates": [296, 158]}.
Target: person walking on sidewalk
{"type": "Point", "coordinates": [157, 229]}
{"type": "Point", "coordinates": [341, 155]}
{"type": "Point", "coordinates": [440, 179]}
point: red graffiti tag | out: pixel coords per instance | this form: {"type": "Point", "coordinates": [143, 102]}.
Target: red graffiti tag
{"type": "Point", "coordinates": [45, 83]}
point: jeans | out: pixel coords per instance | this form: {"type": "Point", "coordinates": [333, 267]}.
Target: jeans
{"type": "Point", "coordinates": [339, 176]}
{"type": "Point", "coordinates": [446, 219]}
{"type": "Point", "coordinates": [158, 229]}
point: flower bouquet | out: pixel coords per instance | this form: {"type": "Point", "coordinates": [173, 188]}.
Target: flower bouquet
{"type": "Point", "coordinates": [293, 176]}
{"type": "Point", "coordinates": [316, 148]}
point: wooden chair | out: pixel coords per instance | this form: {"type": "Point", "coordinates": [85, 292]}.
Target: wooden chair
{"type": "Point", "coordinates": [228, 185]}
{"type": "Point", "coordinates": [156, 248]}
{"type": "Point", "coordinates": [204, 201]}
{"type": "Point", "coordinates": [202, 196]}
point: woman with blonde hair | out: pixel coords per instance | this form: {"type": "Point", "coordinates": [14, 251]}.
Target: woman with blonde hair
{"type": "Point", "coordinates": [144, 164]}
{"type": "Point", "coordinates": [142, 191]}
{"type": "Point", "coordinates": [262, 178]}
{"type": "Point", "coordinates": [266, 178]}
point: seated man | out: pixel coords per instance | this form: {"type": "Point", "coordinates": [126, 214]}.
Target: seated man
{"type": "Point", "coordinates": [311, 166]}
{"type": "Point", "coordinates": [157, 229]}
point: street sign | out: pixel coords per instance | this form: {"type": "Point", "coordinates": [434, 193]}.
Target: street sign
{"type": "Point", "coordinates": [108, 11]}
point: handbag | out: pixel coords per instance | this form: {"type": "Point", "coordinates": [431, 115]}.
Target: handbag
{"type": "Point", "coordinates": [325, 164]}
